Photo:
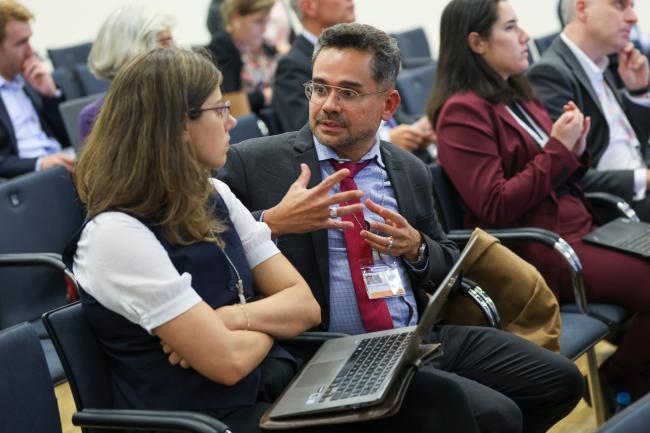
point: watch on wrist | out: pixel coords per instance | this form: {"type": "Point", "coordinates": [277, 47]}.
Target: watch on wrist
{"type": "Point", "coordinates": [421, 253]}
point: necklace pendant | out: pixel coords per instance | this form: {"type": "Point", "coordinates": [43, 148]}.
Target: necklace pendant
{"type": "Point", "coordinates": [240, 290]}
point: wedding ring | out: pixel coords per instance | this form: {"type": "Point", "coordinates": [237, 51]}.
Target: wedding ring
{"type": "Point", "coordinates": [333, 212]}
{"type": "Point", "coordinates": [390, 243]}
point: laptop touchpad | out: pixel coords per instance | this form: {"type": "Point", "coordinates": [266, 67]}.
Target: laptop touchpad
{"type": "Point", "coordinates": [319, 373]}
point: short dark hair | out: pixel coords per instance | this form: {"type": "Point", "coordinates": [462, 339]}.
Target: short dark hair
{"type": "Point", "coordinates": [461, 69]}
{"type": "Point", "coordinates": [386, 57]}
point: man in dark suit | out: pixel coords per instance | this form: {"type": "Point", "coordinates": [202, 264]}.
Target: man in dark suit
{"type": "Point", "coordinates": [574, 68]}
{"type": "Point", "coordinates": [294, 69]}
{"type": "Point", "coordinates": [322, 227]}
{"type": "Point", "coordinates": [31, 130]}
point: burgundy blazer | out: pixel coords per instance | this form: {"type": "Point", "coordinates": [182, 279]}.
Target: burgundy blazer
{"type": "Point", "coordinates": [503, 177]}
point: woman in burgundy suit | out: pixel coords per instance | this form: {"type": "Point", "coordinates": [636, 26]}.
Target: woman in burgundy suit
{"type": "Point", "coordinates": [513, 167]}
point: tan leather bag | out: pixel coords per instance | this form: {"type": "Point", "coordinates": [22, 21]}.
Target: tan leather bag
{"type": "Point", "coordinates": [526, 304]}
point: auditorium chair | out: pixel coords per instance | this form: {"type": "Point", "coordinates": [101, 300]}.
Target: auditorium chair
{"type": "Point", "coordinates": [39, 212]}
{"type": "Point", "coordinates": [248, 126]}
{"type": "Point", "coordinates": [414, 47]}
{"type": "Point", "coordinates": [414, 86]}
{"type": "Point", "coordinates": [583, 324]}
{"type": "Point", "coordinates": [28, 403]}
{"type": "Point", "coordinates": [633, 419]}
{"type": "Point", "coordinates": [69, 110]}
{"type": "Point", "coordinates": [67, 57]}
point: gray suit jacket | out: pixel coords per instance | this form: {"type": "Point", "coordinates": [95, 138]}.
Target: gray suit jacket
{"type": "Point", "coordinates": [261, 170]}
{"type": "Point", "coordinates": [558, 78]}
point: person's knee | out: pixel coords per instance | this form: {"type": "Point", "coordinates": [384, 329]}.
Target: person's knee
{"type": "Point", "coordinates": [500, 415]}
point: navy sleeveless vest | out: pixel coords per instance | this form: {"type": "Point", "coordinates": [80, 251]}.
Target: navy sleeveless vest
{"type": "Point", "coordinates": [142, 376]}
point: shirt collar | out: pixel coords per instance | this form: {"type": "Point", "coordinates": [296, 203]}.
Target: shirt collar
{"type": "Point", "coordinates": [594, 70]}
{"type": "Point", "coordinates": [325, 153]}
{"type": "Point", "coordinates": [16, 83]}
{"type": "Point", "coordinates": [310, 36]}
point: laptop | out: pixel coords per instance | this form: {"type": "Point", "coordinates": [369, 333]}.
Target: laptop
{"type": "Point", "coordinates": [357, 371]}
{"type": "Point", "coordinates": [624, 235]}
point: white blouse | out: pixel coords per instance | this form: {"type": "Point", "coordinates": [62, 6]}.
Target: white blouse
{"type": "Point", "coordinates": [124, 267]}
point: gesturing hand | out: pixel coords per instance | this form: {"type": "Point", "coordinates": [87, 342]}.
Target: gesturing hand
{"type": "Point", "coordinates": [304, 210]}
{"type": "Point", "coordinates": [405, 239]}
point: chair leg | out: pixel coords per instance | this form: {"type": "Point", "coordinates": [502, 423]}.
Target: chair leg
{"type": "Point", "coordinates": [595, 389]}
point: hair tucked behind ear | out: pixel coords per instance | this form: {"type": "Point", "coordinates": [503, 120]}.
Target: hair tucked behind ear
{"type": "Point", "coordinates": [135, 159]}
{"type": "Point", "coordinates": [461, 69]}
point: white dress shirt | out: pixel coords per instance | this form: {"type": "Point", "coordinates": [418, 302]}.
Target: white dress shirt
{"type": "Point", "coordinates": [121, 263]}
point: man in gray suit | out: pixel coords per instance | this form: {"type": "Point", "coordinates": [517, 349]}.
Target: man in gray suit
{"type": "Point", "coordinates": [322, 225]}
{"type": "Point", "coordinates": [574, 68]}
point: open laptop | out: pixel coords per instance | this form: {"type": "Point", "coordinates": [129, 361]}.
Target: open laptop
{"type": "Point", "coordinates": [624, 235]}
{"type": "Point", "coordinates": [357, 371]}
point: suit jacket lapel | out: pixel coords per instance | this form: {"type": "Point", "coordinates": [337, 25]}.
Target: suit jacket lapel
{"type": "Point", "coordinates": [305, 152]}
{"type": "Point", "coordinates": [566, 54]}
{"type": "Point", "coordinates": [399, 180]}
{"type": "Point", "coordinates": [303, 45]}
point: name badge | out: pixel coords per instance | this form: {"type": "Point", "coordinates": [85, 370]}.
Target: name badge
{"type": "Point", "coordinates": [382, 281]}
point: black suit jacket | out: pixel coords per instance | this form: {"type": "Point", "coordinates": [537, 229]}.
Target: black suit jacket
{"type": "Point", "coordinates": [558, 78]}
{"type": "Point", "coordinates": [261, 170]}
{"type": "Point", "coordinates": [48, 113]}
{"type": "Point", "coordinates": [289, 102]}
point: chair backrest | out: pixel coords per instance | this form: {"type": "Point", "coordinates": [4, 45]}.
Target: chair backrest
{"type": "Point", "coordinates": [83, 360]}
{"type": "Point", "coordinates": [248, 126]}
{"type": "Point", "coordinates": [67, 80]}
{"type": "Point", "coordinates": [413, 43]}
{"type": "Point", "coordinates": [70, 114]}
{"type": "Point", "coordinates": [414, 86]}
{"type": "Point", "coordinates": [634, 419]}
{"type": "Point", "coordinates": [40, 212]}
{"type": "Point", "coordinates": [446, 199]}
{"type": "Point", "coordinates": [67, 57]}
{"type": "Point", "coordinates": [90, 84]}
{"type": "Point", "coordinates": [27, 401]}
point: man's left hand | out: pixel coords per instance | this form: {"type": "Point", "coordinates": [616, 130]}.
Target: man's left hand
{"type": "Point", "coordinates": [633, 68]}
{"type": "Point", "coordinates": [38, 76]}
{"type": "Point", "coordinates": [406, 240]}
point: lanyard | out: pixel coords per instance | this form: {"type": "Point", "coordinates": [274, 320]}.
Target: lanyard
{"type": "Point", "coordinates": [530, 126]}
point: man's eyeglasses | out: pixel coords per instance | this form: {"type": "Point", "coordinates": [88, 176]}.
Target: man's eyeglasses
{"type": "Point", "coordinates": [318, 93]}
{"type": "Point", "coordinates": [223, 110]}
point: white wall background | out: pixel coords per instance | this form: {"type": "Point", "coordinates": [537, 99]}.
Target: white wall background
{"type": "Point", "coordinates": [65, 22]}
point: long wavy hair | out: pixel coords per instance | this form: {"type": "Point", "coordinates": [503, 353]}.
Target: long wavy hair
{"type": "Point", "coordinates": [461, 69]}
{"type": "Point", "coordinates": [136, 159]}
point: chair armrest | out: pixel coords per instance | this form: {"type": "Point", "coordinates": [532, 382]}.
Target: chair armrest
{"type": "Point", "coordinates": [124, 419]}
{"type": "Point", "coordinates": [52, 260]}
{"type": "Point", "coordinates": [545, 237]}
{"type": "Point", "coordinates": [482, 300]}
{"type": "Point", "coordinates": [613, 202]}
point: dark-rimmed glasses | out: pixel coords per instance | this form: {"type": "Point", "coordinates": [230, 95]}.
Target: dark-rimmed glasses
{"type": "Point", "coordinates": [223, 110]}
{"type": "Point", "coordinates": [318, 93]}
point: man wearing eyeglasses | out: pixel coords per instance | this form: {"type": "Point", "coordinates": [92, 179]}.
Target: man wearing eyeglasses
{"type": "Point", "coordinates": [361, 206]}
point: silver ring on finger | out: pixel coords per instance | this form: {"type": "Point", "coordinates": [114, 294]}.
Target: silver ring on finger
{"type": "Point", "coordinates": [390, 243]}
{"type": "Point", "coordinates": [333, 212]}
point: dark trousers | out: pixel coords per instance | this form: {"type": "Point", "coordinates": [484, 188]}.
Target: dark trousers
{"type": "Point", "coordinates": [512, 385]}
{"type": "Point", "coordinates": [486, 381]}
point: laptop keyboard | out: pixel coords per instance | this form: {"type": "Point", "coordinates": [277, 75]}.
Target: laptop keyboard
{"type": "Point", "coordinates": [640, 243]}
{"type": "Point", "coordinates": [368, 367]}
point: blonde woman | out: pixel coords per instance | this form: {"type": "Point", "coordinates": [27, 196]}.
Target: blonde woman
{"type": "Point", "coordinates": [126, 32]}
